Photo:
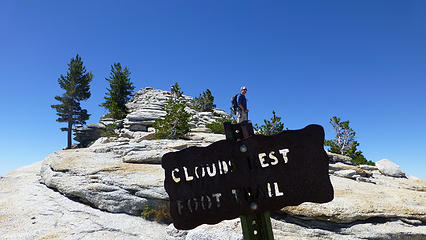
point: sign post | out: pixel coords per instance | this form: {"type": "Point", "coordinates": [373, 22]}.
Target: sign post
{"type": "Point", "coordinates": [247, 176]}
{"type": "Point", "coordinates": [255, 226]}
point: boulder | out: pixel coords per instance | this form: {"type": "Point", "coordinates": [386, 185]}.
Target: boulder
{"type": "Point", "coordinates": [345, 173]}
{"type": "Point", "coordinates": [335, 158]}
{"type": "Point", "coordinates": [389, 168]}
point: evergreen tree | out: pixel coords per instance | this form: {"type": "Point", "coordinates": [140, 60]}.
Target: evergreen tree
{"type": "Point", "coordinates": [176, 122]}
{"type": "Point", "coordinates": [204, 102]}
{"type": "Point", "coordinates": [344, 142]}
{"type": "Point", "coordinates": [76, 84]}
{"type": "Point", "coordinates": [270, 127]}
{"type": "Point", "coordinates": [344, 136]}
{"type": "Point", "coordinates": [119, 91]}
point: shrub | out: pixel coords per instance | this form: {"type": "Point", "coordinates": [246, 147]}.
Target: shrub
{"type": "Point", "coordinates": [159, 214]}
{"type": "Point", "coordinates": [162, 214]}
{"type": "Point", "coordinates": [217, 126]}
{"type": "Point", "coordinates": [176, 122]}
{"type": "Point", "coordinates": [148, 212]}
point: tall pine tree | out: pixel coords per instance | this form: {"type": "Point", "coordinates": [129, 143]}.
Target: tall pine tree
{"type": "Point", "coordinates": [119, 91]}
{"type": "Point", "coordinates": [76, 84]}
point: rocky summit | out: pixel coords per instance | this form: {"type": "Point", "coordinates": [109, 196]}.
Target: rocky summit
{"type": "Point", "coordinates": [100, 191]}
{"type": "Point", "coordinates": [145, 107]}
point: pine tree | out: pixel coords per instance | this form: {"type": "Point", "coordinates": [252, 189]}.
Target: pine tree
{"type": "Point", "coordinates": [204, 102]}
{"type": "Point", "coordinates": [344, 136]}
{"type": "Point", "coordinates": [176, 122]}
{"type": "Point", "coordinates": [270, 127]}
{"type": "Point", "coordinates": [344, 142]}
{"type": "Point", "coordinates": [119, 91]}
{"type": "Point", "coordinates": [76, 84]}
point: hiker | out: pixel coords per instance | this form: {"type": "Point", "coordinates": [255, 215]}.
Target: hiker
{"type": "Point", "coordinates": [242, 113]}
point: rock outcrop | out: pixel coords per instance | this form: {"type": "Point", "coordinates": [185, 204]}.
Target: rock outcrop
{"type": "Point", "coordinates": [99, 192]}
{"type": "Point", "coordinates": [113, 174]}
{"type": "Point", "coordinates": [147, 104]}
{"type": "Point", "coordinates": [145, 107]}
{"type": "Point", "coordinates": [29, 210]}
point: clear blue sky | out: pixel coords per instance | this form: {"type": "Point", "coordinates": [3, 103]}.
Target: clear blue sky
{"type": "Point", "coordinates": [364, 61]}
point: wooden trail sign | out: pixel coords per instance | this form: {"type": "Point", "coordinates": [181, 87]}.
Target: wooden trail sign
{"type": "Point", "coordinates": [261, 173]}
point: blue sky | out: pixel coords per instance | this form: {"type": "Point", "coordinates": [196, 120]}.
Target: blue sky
{"type": "Point", "coordinates": [364, 61]}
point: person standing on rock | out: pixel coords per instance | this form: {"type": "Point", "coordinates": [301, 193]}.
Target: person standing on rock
{"type": "Point", "coordinates": [242, 113]}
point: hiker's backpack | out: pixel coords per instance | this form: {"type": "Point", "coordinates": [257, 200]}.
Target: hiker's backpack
{"type": "Point", "coordinates": [234, 103]}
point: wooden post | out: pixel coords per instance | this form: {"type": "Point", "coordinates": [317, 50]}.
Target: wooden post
{"type": "Point", "coordinates": [255, 226]}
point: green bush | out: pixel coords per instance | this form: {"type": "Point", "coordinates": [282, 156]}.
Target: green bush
{"type": "Point", "coordinates": [148, 212]}
{"type": "Point", "coordinates": [217, 126]}
{"type": "Point", "coordinates": [159, 214]}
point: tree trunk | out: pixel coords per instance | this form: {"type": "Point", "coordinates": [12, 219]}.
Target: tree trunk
{"type": "Point", "coordinates": [69, 142]}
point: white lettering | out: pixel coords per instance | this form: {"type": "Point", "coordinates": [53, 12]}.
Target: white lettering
{"type": "Point", "coordinates": [277, 191]}
{"type": "Point", "coordinates": [189, 205]}
{"type": "Point", "coordinates": [176, 179]}
{"type": "Point", "coordinates": [284, 153]}
{"type": "Point", "coordinates": [187, 177]}
{"type": "Point", "coordinates": [217, 196]}
{"type": "Point", "coordinates": [262, 160]}
{"type": "Point", "coordinates": [234, 192]}
{"type": "Point", "coordinates": [219, 166]}
{"type": "Point", "coordinates": [269, 189]}
{"type": "Point", "coordinates": [211, 171]}
{"type": "Point", "coordinates": [271, 156]}
{"type": "Point", "coordinates": [196, 173]}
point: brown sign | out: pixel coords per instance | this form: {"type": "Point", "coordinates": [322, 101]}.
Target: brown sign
{"type": "Point", "coordinates": [261, 173]}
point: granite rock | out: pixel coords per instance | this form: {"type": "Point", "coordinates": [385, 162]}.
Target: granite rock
{"type": "Point", "coordinates": [29, 210]}
{"type": "Point", "coordinates": [389, 168]}
{"type": "Point", "coordinates": [335, 158]}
